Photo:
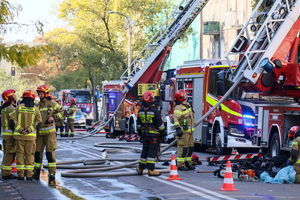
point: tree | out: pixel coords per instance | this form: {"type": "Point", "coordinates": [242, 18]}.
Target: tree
{"type": "Point", "coordinates": [19, 54]}
{"type": "Point", "coordinates": [96, 41]}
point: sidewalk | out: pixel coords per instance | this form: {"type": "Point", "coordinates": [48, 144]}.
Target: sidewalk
{"type": "Point", "coordinates": [34, 190]}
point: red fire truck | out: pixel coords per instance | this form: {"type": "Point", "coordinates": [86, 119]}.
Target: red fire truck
{"type": "Point", "coordinates": [83, 101]}
{"type": "Point", "coordinates": [245, 119]}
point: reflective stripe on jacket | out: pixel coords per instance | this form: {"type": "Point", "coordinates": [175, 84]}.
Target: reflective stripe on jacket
{"type": "Point", "coordinates": [26, 118]}
{"type": "Point", "coordinates": [49, 108]}
{"type": "Point", "coordinates": [184, 117]}
{"type": "Point", "coordinates": [6, 113]}
{"type": "Point", "coordinates": [149, 121]}
{"type": "Point", "coordinates": [71, 112]}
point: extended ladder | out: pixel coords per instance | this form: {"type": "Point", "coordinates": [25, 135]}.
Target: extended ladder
{"type": "Point", "coordinates": [261, 36]}
{"type": "Point", "coordinates": [167, 35]}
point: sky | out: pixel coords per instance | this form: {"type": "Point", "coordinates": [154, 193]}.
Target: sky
{"type": "Point", "coordinates": [32, 11]}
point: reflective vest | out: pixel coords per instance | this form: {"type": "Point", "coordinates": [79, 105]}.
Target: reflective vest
{"type": "Point", "coordinates": [49, 108]}
{"type": "Point", "coordinates": [184, 117]}
{"type": "Point", "coordinates": [26, 118]}
{"type": "Point", "coordinates": [6, 129]}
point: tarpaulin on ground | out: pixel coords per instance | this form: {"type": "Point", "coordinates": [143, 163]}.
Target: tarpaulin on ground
{"type": "Point", "coordinates": [285, 175]}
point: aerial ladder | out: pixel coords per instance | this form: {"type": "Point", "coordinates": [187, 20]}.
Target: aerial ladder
{"type": "Point", "coordinates": [260, 38]}
{"type": "Point", "coordinates": [148, 65]}
{"type": "Point", "coordinates": [154, 55]}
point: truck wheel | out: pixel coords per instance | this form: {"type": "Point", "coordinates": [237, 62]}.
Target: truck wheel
{"type": "Point", "coordinates": [274, 146]}
{"type": "Point", "coordinates": [218, 144]}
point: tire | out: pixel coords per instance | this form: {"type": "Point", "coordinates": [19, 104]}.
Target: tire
{"type": "Point", "coordinates": [274, 146]}
{"type": "Point", "coordinates": [218, 144]}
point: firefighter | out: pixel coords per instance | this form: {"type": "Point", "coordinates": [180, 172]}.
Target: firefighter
{"type": "Point", "coordinates": [151, 129]}
{"type": "Point", "coordinates": [46, 137]}
{"type": "Point", "coordinates": [8, 126]}
{"type": "Point", "coordinates": [184, 124]}
{"type": "Point", "coordinates": [26, 117]}
{"type": "Point", "coordinates": [71, 112]}
{"type": "Point", "coordinates": [59, 122]}
{"type": "Point", "coordinates": [294, 135]}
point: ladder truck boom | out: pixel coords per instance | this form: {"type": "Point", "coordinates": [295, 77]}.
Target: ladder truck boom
{"type": "Point", "coordinates": [261, 36]}
{"type": "Point", "coordinates": [166, 36]}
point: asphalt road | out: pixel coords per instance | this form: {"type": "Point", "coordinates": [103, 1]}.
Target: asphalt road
{"type": "Point", "coordinates": [192, 186]}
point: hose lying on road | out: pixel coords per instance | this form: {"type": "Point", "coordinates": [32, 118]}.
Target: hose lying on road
{"type": "Point", "coordinates": [114, 174]}
{"type": "Point", "coordinates": [84, 173]}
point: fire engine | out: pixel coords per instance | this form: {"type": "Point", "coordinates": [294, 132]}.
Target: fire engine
{"type": "Point", "coordinates": [83, 101]}
{"type": "Point", "coordinates": [268, 65]}
{"type": "Point", "coordinates": [146, 70]}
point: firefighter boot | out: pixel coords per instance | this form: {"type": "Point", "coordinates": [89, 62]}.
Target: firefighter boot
{"type": "Point", "coordinates": [189, 167]}
{"type": "Point", "coordinates": [51, 180]}
{"type": "Point", "coordinates": [139, 171]}
{"type": "Point", "coordinates": [152, 172]}
{"type": "Point", "coordinates": [36, 174]}
{"type": "Point", "coordinates": [11, 176]}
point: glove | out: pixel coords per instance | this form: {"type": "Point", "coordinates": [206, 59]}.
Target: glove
{"type": "Point", "coordinates": [179, 132]}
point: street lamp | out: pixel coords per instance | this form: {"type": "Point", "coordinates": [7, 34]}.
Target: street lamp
{"type": "Point", "coordinates": [129, 38]}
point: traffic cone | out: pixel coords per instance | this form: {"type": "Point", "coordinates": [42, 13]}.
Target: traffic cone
{"type": "Point", "coordinates": [173, 170]}
{"type": "Point", "coordinates": [228, 184]}
{"type": "Point", "coordinates": [14, 167]}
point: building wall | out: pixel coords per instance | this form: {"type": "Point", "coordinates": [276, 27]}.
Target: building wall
{"type": "Point", "coordinates": [232, 15]}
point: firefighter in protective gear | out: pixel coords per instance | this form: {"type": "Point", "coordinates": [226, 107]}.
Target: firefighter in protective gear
{"type": "Point", "coordinates": [184, 124]}
{"type": "Point", "coordinates": [46, 137]}
{"type": "Point", "coordinates": [26, 117]}
{"type": "Point", "coordinates": [71, 112]}
{"type": "Point", "coordinates": [8, 126]}
{"type": "Point", "coordinates": [294, 135]}
{"type": "Point", "coordinates": [151, 129]}
{"type": "Point", "coordinates": [59, 123]}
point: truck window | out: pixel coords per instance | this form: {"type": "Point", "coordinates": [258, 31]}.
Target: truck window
{"type": "Point", "coordinates": [213, 82]}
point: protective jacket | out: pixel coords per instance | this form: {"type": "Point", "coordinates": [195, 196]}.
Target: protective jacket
{"type": "Point", "coordinates": [149, 121]}
{"type": "Point", "coordinates": [7, 123]}
{"type": "Point", "coordinates": [296, 148]}
{"type": "Point", "coordinates": [184, 117]}
{"type": "Point", "coordinates": [71, 111]}
{"type": "Point", "coordinates": [26, 118]}
{"type": "Point", "coordinates": [49, 108]}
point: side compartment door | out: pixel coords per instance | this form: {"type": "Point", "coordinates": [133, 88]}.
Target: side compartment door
{"type": "Point", "coordinates": [197, 106]}
{"type": "Point", "coordinates": [262, 125]}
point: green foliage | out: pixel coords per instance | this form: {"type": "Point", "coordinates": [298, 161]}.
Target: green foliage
{"type": "Point", "coordinates": [19, 54]}
{"type": "Point", "coordinates": [17, 83]}
{"type": "Point", "coordinates": [95, 44]}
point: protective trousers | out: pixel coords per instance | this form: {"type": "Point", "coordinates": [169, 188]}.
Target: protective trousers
{"type": "Point", "coordinates": [48, 141]}
{"type": "Point", "coordinates": [185, 149]}
{"type": "Point", "coordinates": [59, 125]}
{"type": "Point", "coordinates": [70, 126]}
{"type": "Point", "coordinates": [149, 153]}
{"type": "Point", "coordinates": [297, 169]}
{"type": "Point", "coordinates": [8, 155]}
{"type": "Point", "coordinates": [25, 157]}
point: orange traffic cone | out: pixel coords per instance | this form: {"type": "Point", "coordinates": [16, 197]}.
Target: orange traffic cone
{"type": "Point", "coordinates": [173, 170]}
{"type": "Point", "coordinates": [14, 166]}
{"type": "Point", "coordinates": [228, 179]}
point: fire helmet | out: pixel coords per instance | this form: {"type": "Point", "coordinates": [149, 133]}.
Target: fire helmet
{"type": "Point", "coordinates": [8, 94]}
{"type": "Point", "coordinates": [73, 101]}
{"type": "Point", "coordinates": [28, 93]}
{"type": "Point", "coordinates": [195, 159]}
{"type": "Point", "coordinates": [180, 96]}
{"type": "Point", "coordinates": [148, 97]}
{"type": "Point", "coordinates": [44, 89]}
{"type": "Point", "coordinates": [293, 131]}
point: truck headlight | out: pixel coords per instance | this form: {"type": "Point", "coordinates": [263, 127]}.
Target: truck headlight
{"type": "Point", "coordinates": [236, 132]}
